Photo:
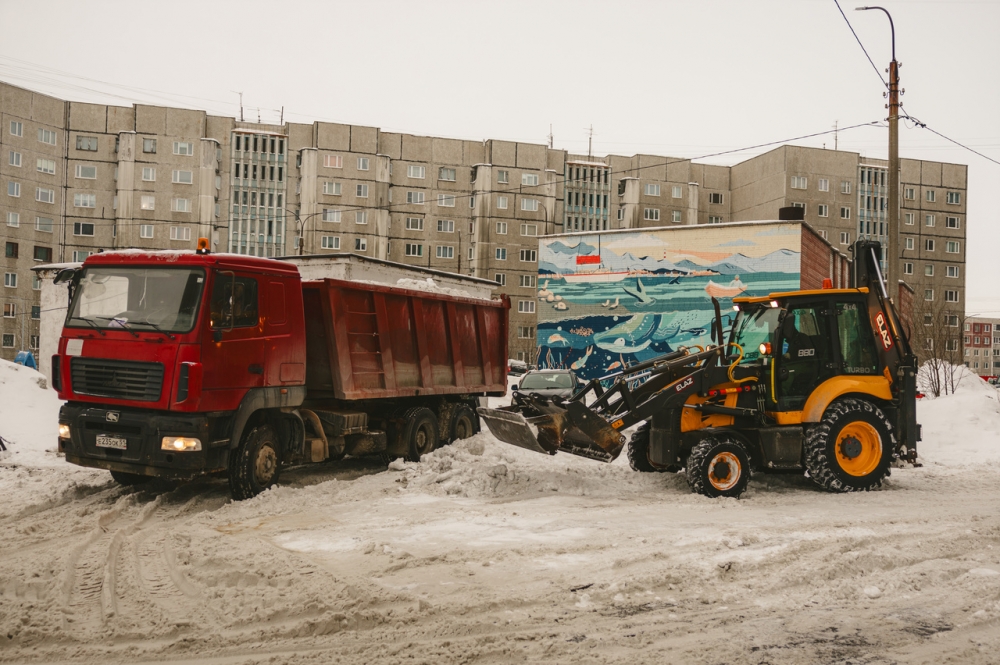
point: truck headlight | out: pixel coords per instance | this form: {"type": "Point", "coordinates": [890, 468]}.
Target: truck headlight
{"type": "Point", "coordinates": [180, 444]}
{"type": "Point", "coordinates": [63, 431]}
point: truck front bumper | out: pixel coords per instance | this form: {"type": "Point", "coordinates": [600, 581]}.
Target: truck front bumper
{"type": "Point", "coordinates": [143, 431]}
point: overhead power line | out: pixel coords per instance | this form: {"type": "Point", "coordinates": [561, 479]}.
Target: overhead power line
{"type": "Point", "coordinates": [881, 78]}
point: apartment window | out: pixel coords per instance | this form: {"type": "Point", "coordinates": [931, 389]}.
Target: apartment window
{"type": "Point", "coordinates": [652, 189]}
{"type": "Point", "coordinates": [470, 253]}
{"type": "Point", "coordinates": [676, 216]}
{"type": "Point", "coordinates": [928, 220]}
{"type": "Point", "coordinates": [929, 270]}
{"type": "Point", "coordinates": [621, 214]}
{"type": "Point", "coordinates": [360, 244]}
{"type": "Point", "coordinates": [183, 148]}
{"type": "Point", "coordinates": [416, 198]}
{"type": "Point", "coordinates": [799, 182]}
{"type": "Point", "coordinates": [86, 143]}
{"type": "Point", "coordinates": [824, 185]}
{"type": "Point", "coordinates": [15, 158]}
{"type": "Point", "coordinates": [446, 200]}
{"type": "Point", "coordinates": [502, 228]}
{"type": "Point", "coordinates": [413, 249]}
{"type": "Point", "coordinates": [909, 219]}
{"type": "Point", "coordinates": [526, 306]}
{"type": "Point", "coordinates": [149, 146]}
{"type": "Point", "coordinates": [85, 200]}
{"type": "Point", "coordinates": [361, 217]}
{"type": "Point", "coordinates": [529, 229]}
{"type": "Point", "coordinates": [501, 202]}
{"type": "Point", "coordinates": [951, 320]}
{"type": "Point", "coordinates": [930, 196]}
{"type": "Point", "coordinates": [952, 222]}
{"type": "Point", "coordinates": [182, 177]}
{"type": "Point", "coordinates": [929, 244]}
{"type": "Point", "coordinates": [952, 296]}
{"type": "Point", "coordinates": [907, 268]}
{"type": "Point", "coordinates": [526, 332]}
{"type": "Point", "coordinates": [953, 247]}
{"type": "Point", "coordinates": [147, 203]}
{"type": "Point", "coordinates": [444, 252]}
{"type": "Point", "coordinates": [845, 186]}
{"type": "Point", "coordinates": [955, 198]}
{"type": "Point", "coordinates": [331, 215]}
{"type": "Point", "coordinates": [145, 230]}
{"type": "Point", "coordinates": [503, 177]}
{"type": "Point", "coordinates": [46, 166]}
{"type": "Point", "coordinates": [362, 191]}
{"type": "Point", "coordinates": [799, 205]}
{"type": "Point", "coordinates": [362, 163]}
{"type": "Point", "coordinates": [951, 344]}
{"type": "Point", "coordinates": [85, 172]}
{"type": "Point", "coordinates": [149, 173]}
{"type": "Point", "coordinates": [13, 189]}
{"type": "Point", "coordinates": [529, 255]}
{"type": "Point", "coordinates": [180, 233]}
{"type": "Point", "coordinates": [8, 341]}
{"type": "Point", "coordinates": [180, 205]}
{"type": "Point", "coordinates": [908, 193]}
{"type": "Point", "coordinates": [652, 214]}
{"type": "Point", "coordinates": [675, 192]}
{"type": "Point", "coordinates": [45, 195]}
{"type": "Point", "coordinates": [845, 212]}
{"type": "Point", "coordinates": [500, 279]}
{"type": "Point", "coordinates": [445, 173]}
{"type": "Point", "coordinates": [714, 219]}
{"type": "Point", "coordinates": [528, 281]}
{"type": "Point", "coordinates": [10, 280]}
{"type": "Point", "coordinates": [414, 223]}
{"type": "Point", "coordinates": [419, 172]}
{"type": "Point", "coordinates": [446, 226]}
{"type": "Point", "coordinates": [11, 250]}
{"type": "Point", "coordinates": [909, 243]}
{"type": "Point", "coordinates": [952, 271]}
{"type": "Point", "coordinates": [43, 224]}
{"type": "Point", "coordinates": [530, 179]}
{"type": "Point", "coordinates": [47, 136]}
{"type": "Point", "coordinates": [16, 128]}
{"type": "Point", "coordinates": [332, 188]}
{"type": "Point", "coordinates": [845, 238]}
{"type": "Point", "coordinates": [330, 242]}
{"type": "Point", "coordinates": [715, 197]}
{"type": "Point", "coordinates": [529, 204]}
{"type": "Point", "coordinates": [928, 294]}
{"type": "Point", "coordinates": [501, 254]}
{"type": "Point", "coordinates": [333, 161]}
{"type": "Point", "coordinates": [823, 210]}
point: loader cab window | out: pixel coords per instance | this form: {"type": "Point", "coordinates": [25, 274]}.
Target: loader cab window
{"type": "Point", "coordinates": [234, 301]}
{"type": "Point", "coordinates": [857, 345]}
{"type": "Point", "coordinates": [753, 326]}
{"type": "Point", "coordinates": [803, 356]}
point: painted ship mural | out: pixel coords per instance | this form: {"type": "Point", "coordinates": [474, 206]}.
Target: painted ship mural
{"type": "Point", "coordinates": [615, 298]}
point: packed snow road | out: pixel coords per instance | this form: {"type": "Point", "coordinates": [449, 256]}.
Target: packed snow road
{"type": "Point", "coordinates": [486, 553]}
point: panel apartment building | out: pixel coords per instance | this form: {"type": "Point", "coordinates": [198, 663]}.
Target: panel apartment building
{"type": "Point", "coordinates": [76, 178]}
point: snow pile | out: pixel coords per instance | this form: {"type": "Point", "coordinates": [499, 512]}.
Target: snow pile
{"type": "Point", "coordinates": [29, 415]}
{"type": "Point", "coordinates": [962, 429]}
{"type": "Point", "coordinates": [430, 286]}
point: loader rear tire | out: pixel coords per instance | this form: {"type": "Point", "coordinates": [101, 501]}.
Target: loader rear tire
{"type": "Point", "coordinates": [638, 453]}
{"type": "Point", "coordinates": [851, 448]}
{"type": "Point", "coordinates": [464, 423]}
{"type": "Point", "coordinates": [718, 467]}
{"type": "Point", "coordinates": [255, 464]}
{"type": "Point", "coordinates": [420, 433]}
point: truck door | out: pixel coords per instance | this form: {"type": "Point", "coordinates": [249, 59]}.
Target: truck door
{"type": "Point", "coordinates": [233, 354]}
{"type": "Point", "coordinates": [804, 356]}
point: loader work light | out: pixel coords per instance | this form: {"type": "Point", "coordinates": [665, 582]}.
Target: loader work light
{"type": "Point", "coordinates": [63, 431]}
{"type": "Point", "coordinates": [180, 444]}
{"type": "Point", "coordinates": [765, 349]}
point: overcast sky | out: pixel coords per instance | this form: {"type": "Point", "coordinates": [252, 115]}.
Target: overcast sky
{"type": "Point", "coordinates": [684, 79]}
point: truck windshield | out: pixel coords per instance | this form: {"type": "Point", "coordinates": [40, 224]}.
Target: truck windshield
{"type": "Point", "coordinates": [541, 381]}
{"type": "Point", "coordinates": [753, 327]}
{"type": "Point", "coordinates": [162, 299]}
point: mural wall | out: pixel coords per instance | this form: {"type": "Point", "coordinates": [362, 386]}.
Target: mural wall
{"type": "Point", "coordinates": [614, 298]}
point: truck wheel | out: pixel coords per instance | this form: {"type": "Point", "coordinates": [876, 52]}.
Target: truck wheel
{"type": "Point", "coordinates": [129, 479]}
{"type": "Point", "coordinates": [420, 433]}
{"type": "Point", "coordinates": [638, 453]}
{"type": "Point", "coordinates": [464, 423]}
{"type": "Point", "coordinates": [851, 448]}
{"type": "Point", "coordinates": [718, 467]}
{"type": "Point", "coordinates": [255, 464]}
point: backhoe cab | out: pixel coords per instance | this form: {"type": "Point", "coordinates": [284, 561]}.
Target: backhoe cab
{"type": "Point", "coordinates": [821, 381]}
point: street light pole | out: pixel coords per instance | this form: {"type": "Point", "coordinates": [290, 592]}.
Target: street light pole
{"type": "Point", "coordinates": [892, 230]}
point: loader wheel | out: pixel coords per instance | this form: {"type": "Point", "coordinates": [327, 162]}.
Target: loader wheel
{"type": "Point", "coordinates": [255, 464]}
{"type": "Point", "coordinates": [718, 467]}
{"type": "Point", "coordinates": [129, 479]}
{"type": "Point", "coordinates": [464, 423]}
{"type": "Point", "coordinates": [420, 433]}
{"type": "Point", "coordinates": [638, 453]}
{"type": "Point", "coordinates": [851, 448]}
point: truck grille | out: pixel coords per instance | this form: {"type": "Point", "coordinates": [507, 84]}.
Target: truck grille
{"type": "Point", "coordinates": [121, 379]}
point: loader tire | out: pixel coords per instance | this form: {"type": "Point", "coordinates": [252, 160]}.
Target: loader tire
{"type": "Point", "coordinates": [129, 479]}
{"type": "Point", "coordinates": [718, 467]}
{"type": "Point", "coordinates": [638, 453]}
{"type": "Point", "coordinates": [255, 464]}
{"type": "Point", "coordinates": [420, 433]}
{"type": "Point", "coordinates": [851, 448]}
{"type": "Point", "coordinates": [464, 423]}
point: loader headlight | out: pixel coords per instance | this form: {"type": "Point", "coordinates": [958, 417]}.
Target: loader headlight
{"type": "Point", "coordinates": [180, 444]}
{"type": "Point", "coordinates": [64, 431]}
{"type": "Point", "coordinates": [765, 349]}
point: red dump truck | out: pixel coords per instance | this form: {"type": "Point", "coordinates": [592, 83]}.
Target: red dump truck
{"type": "Point", "coordinates": [178, 364]}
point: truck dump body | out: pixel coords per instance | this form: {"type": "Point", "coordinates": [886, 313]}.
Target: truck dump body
{"type": "Point", "coordinates": [370, 341]}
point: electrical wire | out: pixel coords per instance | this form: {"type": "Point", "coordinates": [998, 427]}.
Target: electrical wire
{"type": "Point", "coordinates": [923, 125]}
{"type": "Point", "coordinates": [881, 78]}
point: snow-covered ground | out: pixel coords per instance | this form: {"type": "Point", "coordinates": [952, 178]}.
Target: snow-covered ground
{"type": "Point", "coordinates": [485, 553]}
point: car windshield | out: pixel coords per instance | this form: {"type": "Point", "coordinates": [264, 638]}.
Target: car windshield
{"type": "Point", "coordinates": [164, 299]}
{"type": "Point", "coordinates": [753, 327]}
{"type": "Point", "coordinates": [547, 380]}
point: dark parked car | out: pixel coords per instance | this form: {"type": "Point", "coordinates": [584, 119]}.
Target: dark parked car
{"type": "Point", "coordinates": [516, 367]}
{"type": "Point", "coordinates": [549, 383]}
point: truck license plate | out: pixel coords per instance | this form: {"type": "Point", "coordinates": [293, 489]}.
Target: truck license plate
{"type": "Point", "coordinates": [116, 442]}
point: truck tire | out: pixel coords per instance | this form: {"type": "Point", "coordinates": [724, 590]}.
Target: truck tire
{"type": "Point", "coordinates": [851, 448]}
{"type": "Point", "coordinates": [420, 433]}
{"type": "Point", "coordinates": [464, 423]}
{"type": "Point", "coordinates": [129, 479]}
{"type": "Point", "coordinates": [254, 465]}
{"type": "Point", "coordinates": [638, 453]}
{"type": "Point", "coordinates": [718, 467]}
